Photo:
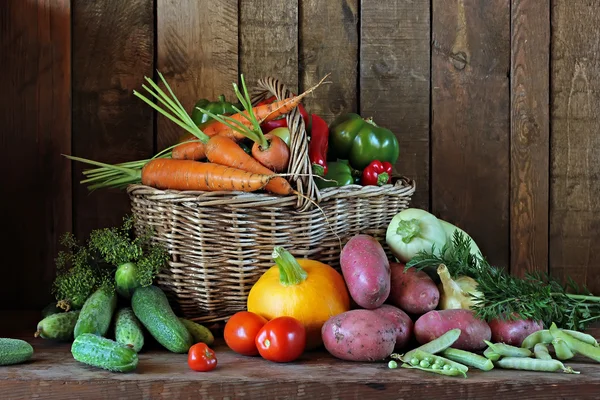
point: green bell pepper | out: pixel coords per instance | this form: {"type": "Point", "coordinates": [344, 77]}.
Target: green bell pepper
{"type": "Point", "coordinates": [219, 107]}
{"type": "Point", "coordinates": [340, 173]}
{"type": "Point", "coordinates": [361, 141]}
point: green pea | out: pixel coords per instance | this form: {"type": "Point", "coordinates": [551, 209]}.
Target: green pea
{"type": "Point", "coordinates": [507, 350]}
{"type": "Point", "coordinates": [392, 364]}
{"type": "Point", "coordinates": [414, 361]}
{"type": "Point", "coordinates": [424, 364]}
{"type": "Point", "coordinates": [541, 336]}
{"type": "Point", "coordinates": [533, 364]}
{"type": "Point", "coordinates": [446, 367]}
{"type": "Point", "coordinates": [540, 350]}
{"type": "Point", "coordinates": [443, 371]}
{"type": "Point", "coordinates": [439, 344]}
{"type": "Point", "coordinates": [468, 358]}
{"type": "Point", "coordinates": [562, 350]}
{"type": "Point", "coordinates": [576, 345]}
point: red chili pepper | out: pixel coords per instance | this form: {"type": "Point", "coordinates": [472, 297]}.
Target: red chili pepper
{"type": "Point", "coordinates": [377, 173]}
{"type": "Point", "coordinates": [317, 147]}
{"type": "Point", "coordinates": [281, 122]}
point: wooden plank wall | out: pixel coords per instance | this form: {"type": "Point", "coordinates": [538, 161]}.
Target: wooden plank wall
{"type": "Point", "coordinates": [494, 103]}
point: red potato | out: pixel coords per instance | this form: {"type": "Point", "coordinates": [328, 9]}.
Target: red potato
{"type": "Point", "coordinates": [359, 335]}
{"type": "Point", "coordinates": [404, 325]}
{"type": "Point", "coordinates": [435, 323]}
{"type": "Point", "coordinates": [412, 290]}
{"type": "Point", "coordinates": [366, 270]}
{"type": "Point", "coordinates": [513, 332]}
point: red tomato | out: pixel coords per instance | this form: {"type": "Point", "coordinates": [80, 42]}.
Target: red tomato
{"type": "Point", "coordinates": [241, 330]}
{"type": "Point", "coordinates": [282, 339]}
{"type": "Point", "coordinates": [201, 358]}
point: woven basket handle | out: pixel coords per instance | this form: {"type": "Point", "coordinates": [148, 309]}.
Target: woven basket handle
{"type": "Point", "coordinates": [299, 168]}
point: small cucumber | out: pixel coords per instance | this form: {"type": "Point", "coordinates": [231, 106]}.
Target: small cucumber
{"type": "Point", "coordinates": [51, 309]}
{"type": "Point", "coordinates": [128, 329]}
{"type": "Point", "coordinates": [151, 306]}
{"type": "Point", "coordinates": [101, 352]}
{"type": "Point", "coordinates": [58, 326]}
{"type": "Point", "coordinates": [96, 314]}
{"type": "Point", "coordinates": [200, 333]}
{"type": "Point", "coordinates": [14, 351]}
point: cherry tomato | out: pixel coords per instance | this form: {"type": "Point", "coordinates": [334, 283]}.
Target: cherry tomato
{"type": "Point", "coordinates": [202, 358]}
{"type": "Point", "coordinates": [282, 339]}
{"type": "Point", "coordinates": [241, 330]}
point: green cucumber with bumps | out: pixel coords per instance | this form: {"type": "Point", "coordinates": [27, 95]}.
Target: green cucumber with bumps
{"type": "Point", "coordinates": [128, 329]}
{"type": "Point", "coordinates": [200, 333]}
{"type": "Point", "coordinates": [104, 353]}
{"type": "Point", "coordinates": [14, 351]}
{"type": "Point", "coordinates": [96, 313]}
{"type": "Point", "coordinates": [58, 326]}
{"type": "Point", "coordinates": [152, 308]}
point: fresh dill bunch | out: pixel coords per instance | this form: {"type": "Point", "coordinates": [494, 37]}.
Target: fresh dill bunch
{"type": "Point", "coordinates": [536, 296]}
{"type": "Point", "coordinates": [136, 258]}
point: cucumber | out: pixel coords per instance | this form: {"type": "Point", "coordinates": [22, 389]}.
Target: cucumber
{"type": "Point", "coordinates": [101, 352]}
{"type": "Point", "coordinates": [200, 333]}
{"type": "Point", "coordinates": [14, 351]}
{"type": "Point", "coordinates": [128, 329]}
{"type": "Point", "coordinates": [96, 314]}
{"type": "Point", "coordinates": [51, 309]}
{"type": "Point", "coordinates": [151, 306]}
{"type": "Point", "coordinates": [58, 326]}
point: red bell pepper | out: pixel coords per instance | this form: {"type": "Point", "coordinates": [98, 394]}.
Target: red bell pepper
{"type": "Point", "coordinates": [281, 122]}
{"type": "Point", "coordinates": [317, 147]}
{"type": "Point", "coordinates": [377, 173]}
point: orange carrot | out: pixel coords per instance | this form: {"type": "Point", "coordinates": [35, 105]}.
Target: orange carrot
{"type": "Point", "coordinates": [276, 156]}
{"type": "Point", "coordinates": [190, 149]}
{"type": "Point", "coordinates": [164, 173]}
{"type": "Point", "coordinates": [223, 150]}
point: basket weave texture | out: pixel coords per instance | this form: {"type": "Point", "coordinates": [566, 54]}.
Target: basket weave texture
{"type": "Point", "coordinates": [220, 243]}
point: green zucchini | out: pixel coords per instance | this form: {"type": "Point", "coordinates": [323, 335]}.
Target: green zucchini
{"type": "Point", "coordinates": [128, 329]}
{"type": "Point", "coordinates": [200, 333]}
{"type": "Point", "coordinates": [151, 306]}
{"type": "Point", "coordinates": [14, 351]}
{"type": "Point", "coordinates": [101, 352]}
{"type": "Point", "coordinates": [96, 313]}
{"type": "Point", "coordinates": [58, 326]}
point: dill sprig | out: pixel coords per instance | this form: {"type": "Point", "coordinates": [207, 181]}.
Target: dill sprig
{"type": "Point", "coordinates": [536, 296]}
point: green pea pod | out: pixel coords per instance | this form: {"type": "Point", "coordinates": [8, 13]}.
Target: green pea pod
{"type": "Point", "coordinates": [430, 360]}
{"type": "Point", "coordinates": [562, 350]}
{"type": "Point", "coordinates": [468, 358]}
{"type": "Point", "coordinates": [541, 336]}
{"type": "Point", "coordinates": [506, 350]}
{"type": "Point", "coordinates": [446, 372]}
{"type": "Point", "coordinates": [533, 364]}
{"type": "Point", "coordinates": [491, 354]}
{"type": "Point", "coordinates": [576, 345]}
{"type": "Point", "coordinates": [584, 337]}
{"type": "Point", "coordinates": [540, 350]}
{"type": "Point", "coordinates": [439, 344]}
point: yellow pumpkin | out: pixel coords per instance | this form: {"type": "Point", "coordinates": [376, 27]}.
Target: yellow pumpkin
{"type": "Point", "coordinates": [307, 290]}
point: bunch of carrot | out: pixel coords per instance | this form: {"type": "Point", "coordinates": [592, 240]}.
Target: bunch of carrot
{"type": "Point", "coordinates": [210, 158]}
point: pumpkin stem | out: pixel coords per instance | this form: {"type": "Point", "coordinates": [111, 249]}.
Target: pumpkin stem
{"type": "Point", "coordinates": [290, 271]}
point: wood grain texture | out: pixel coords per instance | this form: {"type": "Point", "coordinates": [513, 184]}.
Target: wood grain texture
{"type": "Point", "coordinates": [197, 52]}
{"type": "Point", "coordinates": [329, 44]}
{"type": "Point", "coordinates": [54, 374]}
{"type": "Point", "coordinates": [395, 81]}
{"type": "Point", "coordinates": [35, 116]}
{"type": "Point", "coordinates": [112, 52]}
{"type": "Point", "coordinates": [470, 127]}
{"type": "Point", "coordinates": [575, 168]}
{"type": "Point", "coordinates": [530, 135]}
{"type": "Point", "coordinates": [269, 41]}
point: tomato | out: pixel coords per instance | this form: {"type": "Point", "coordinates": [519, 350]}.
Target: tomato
{"type": "Point", "coordinates": [241, 330]}
{"type": "Point", "coordinates": [282, 339]}
{"type": "Point", "coordinates": [201, 358]}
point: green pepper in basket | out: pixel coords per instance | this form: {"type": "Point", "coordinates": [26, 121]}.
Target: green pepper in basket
{"type": "Point", "coordinates": [339, 173]}
{"type": "Point", "coordinates": [361, 141]}
{"type": "Point", "coordinates": [219, 107]}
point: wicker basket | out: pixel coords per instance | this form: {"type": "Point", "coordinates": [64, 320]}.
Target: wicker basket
{"type": "Point", "coordinates": [221, 242]}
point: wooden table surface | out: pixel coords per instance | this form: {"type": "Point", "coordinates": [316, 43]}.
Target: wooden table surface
{"type": "Point", "coordinates": [53, 374]}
